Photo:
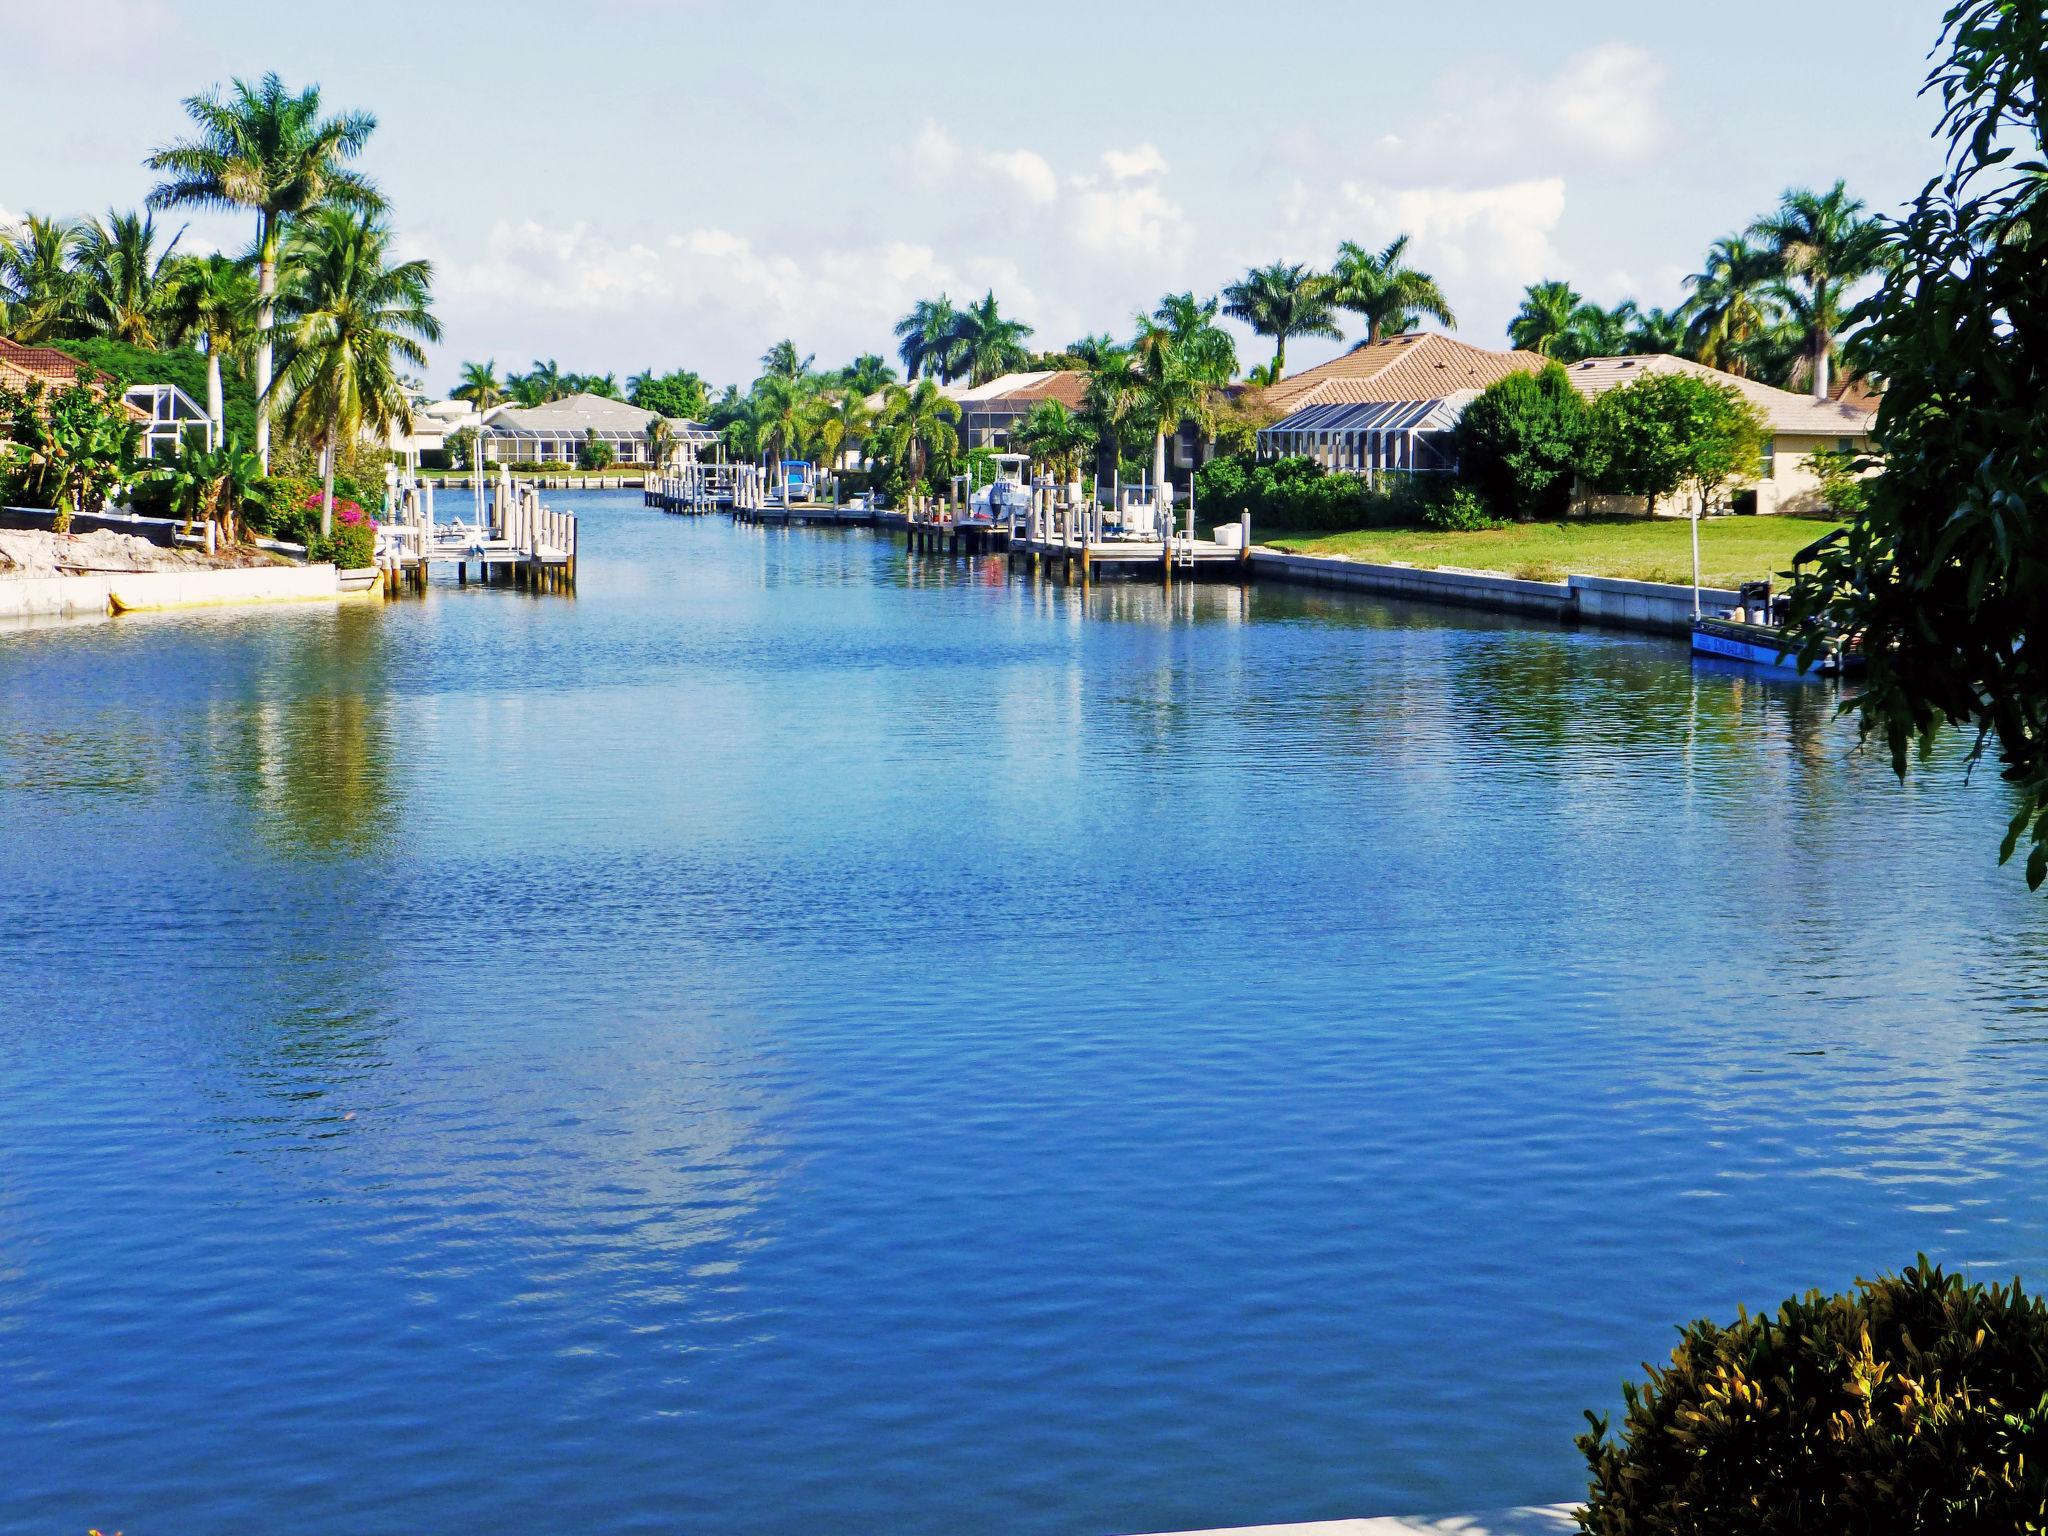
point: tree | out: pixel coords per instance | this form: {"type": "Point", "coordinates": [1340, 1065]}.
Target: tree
{"type": "Point", "coordinates": [1943, 575]}
{"type": "Point", "coordinates": [480, 386]}
{"type": "Point", "coordinates": [785, 407]}
{"type": "Point", "coordinates": [351, 318]}
{"type": "Point", "coordinates": [1110, 401]}
{"type": "Point", "coordinates": [37, 285]}
{"type": "Point", "coordinates": [123, 286]}
{"type": "Point", "coordinates": [1822, 245]}
{"type": "Point", "coordinates": [680, 395]}
{"type": "Point", "coordinates": [1391, 296]}
{"type": "Point", "coordinates": [209, 485]}
{"type": "Point", "coordinates": [1056, 437]}
{"type": "Point", "coordinates": [541, 383]}
{"type": "Point", "coordinates": [1598, 332]}
{"type": "Point", "coordinates": [1671, 432]}
{"type": "Point", "coordinates": [263, 148]}
{"type": "Point", "coordinates": [843, 422]}
{"type": "Point", "coordinates": [212, 305]}
{"type": "Point", "coordinates": [1654, 332]}
{"type": "Point", "coordinates": [66, 448]}
{"type": "Point", "coordinates": [917, 428]}
{"type": "Point", "coordinates": [867, 375]}
{"type": "Point", "coordinates": [1520, 442]}
{"type": "Point", "coordinates": [985, 345]}
{"type": "Point", "coordinates": [1543, 325]}
{"type": "Point", "coordinates": [595, 452]}
{"type": "Point", "coordinates": [925, 338]}
{"type": "Point", "coordinates": [1282, 301]}
{"type": "Point", "coordinates": [1183, 359]}
{"type": "Point", "coordinates": [783, 361]}
{"type": "Point", "coordinates": [1729, 308]}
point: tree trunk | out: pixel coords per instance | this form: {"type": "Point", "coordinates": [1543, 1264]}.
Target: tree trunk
{"type": "Point", "coordinates": [266, 316]}
{"type": "Point", "coordinates": [1372, 333]}
{"type": "Point", "coordinates": [1159, 466]}
{"type": "Point", "coordinates": [214, 407]}
{"type": "Point", "coordinates": [1279, 358]}
{"type": "Point", "coordinates": [327, 499]}
{"type": "Point", "coordinates": [1820, 369]}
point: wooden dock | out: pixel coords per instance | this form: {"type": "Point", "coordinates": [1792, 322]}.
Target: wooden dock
{"type": "Point", "coordinates": [511, 537]}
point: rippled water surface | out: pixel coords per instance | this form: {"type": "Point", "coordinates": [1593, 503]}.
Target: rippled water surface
{"type": "Point", "coordinates": [797, 1039]}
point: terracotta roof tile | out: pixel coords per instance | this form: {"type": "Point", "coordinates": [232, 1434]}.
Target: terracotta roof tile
{"type": "Point", "coordinates": [1426, 365]}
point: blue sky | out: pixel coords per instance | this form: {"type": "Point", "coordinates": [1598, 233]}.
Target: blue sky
{"type": "Point", "coordinates": [629, 183]}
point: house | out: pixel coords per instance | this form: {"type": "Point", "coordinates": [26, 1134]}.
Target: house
{"type": "Point", "coordinates": [1796, 425]}
{"type": "Point", "coordinates": [554, 432]}
{"type": "Point", "coordinates": [1389, 405]}
{"type": "Point", "coordinates": [989, 411]}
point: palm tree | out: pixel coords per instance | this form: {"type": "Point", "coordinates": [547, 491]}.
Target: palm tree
{"type": "Point", "coordinates": [843, 421]}
{"type": "Point", "coordinates": [783, 361]}
{"type": "Point", "coordinates": [37, 285]}
{"type": "Point", "coordinates": [1109, 404]}
{"type": "Point", "coordinates": [1822, 244]}
{"type": "Point", "coordinates": [1730, 306]}
{"type": "Point", "coordinates": [984, 345]}
{"type": "Point", "coordinates": [480, 386]}
{"type": "Point", "coordinates": [213, 306]}
{"type": "Point", "coordinates": [1282, 301]}
{"type": "Point", "coordinates": [122, 291]}
{"type": "Point", "coordinates": [351, 317]}
{"type": "Point", "coordinates": [264, 148]}
{"type": "Point", "coordinates": [917, 427]}
{"type": "Point", "coordinates": [660, 440]}
{"type": "Point", "coordinates": [1056, 437]}
{"type": "Point", "coordinates": [1597, 332]}
{"type": "Point", "coordinates": [1091, 351]}
{"type": "Point", "coordinates": [1543, 325]}
{"type": "Point", "coordinates": [786, 409]}
{"type": "Point", "coordinates": [1391, 296]}
{"type": "Point", "coordinates": [867, 375]}
{"type": "Point", "coordinates": [925, 336]}
{"type": "Point", "coordinates": [1183, 359]}
{"type": "Point", "coordinates": [1654, 332]}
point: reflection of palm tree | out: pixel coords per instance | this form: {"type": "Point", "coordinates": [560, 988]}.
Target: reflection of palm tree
{"type": "Point", "coordinates": [263, 148]}
{"type": "Point", "coordinates": [1390, 295]}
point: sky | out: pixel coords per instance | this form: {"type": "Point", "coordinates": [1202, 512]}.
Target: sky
{"type": "Point", "coordinates": [631, 184]}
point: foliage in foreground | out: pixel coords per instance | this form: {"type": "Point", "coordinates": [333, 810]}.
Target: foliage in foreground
{"type": "Point", "coordinates": [67, 448]}
{"type": "Point", "coordinates": [1945, 574]}
{"type": "Point", "coordinates": [1916, 1403]}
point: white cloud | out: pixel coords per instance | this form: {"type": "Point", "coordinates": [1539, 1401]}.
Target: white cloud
{"type": "Point", "coordinates": [46, 36]}
{"type": "Point", "coordinates": [1029, 173]}
{"type": "Point", "coordinates": [1606, 102]}
{"type": "Point", "coordinates": [1131, 164]}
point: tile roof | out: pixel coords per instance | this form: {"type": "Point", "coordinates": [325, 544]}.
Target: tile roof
{"type": "Point", "coordinates": [1781, 409]}
{"type": "Point", "coordinates": [1426, 365]}
{"type": "Point", "coordinates": [20, 365]}
{"type": "Point", "coordinates": [573, 413]}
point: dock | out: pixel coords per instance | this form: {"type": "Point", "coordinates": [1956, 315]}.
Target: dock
{"type": "Point", "coordinates": [510, 538]}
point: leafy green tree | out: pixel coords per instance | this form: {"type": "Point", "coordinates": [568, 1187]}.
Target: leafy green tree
{"type": "Point", "coordinates": [480, 386]}
{"type": "Point", "coordinates": [38, 288]}
{"type": "Point", "coordinates": [189, 370]}
{"type": "Point", "coordinates": [1823, 245]}
{"type": "Point", "coordinates": [866, 375]}
{"type": "Point", "coordinates": [1520, 442]}
{"type": "Point", "coordinates": [1282, 301]}
{"type": "Point", "coordinates": [1391, 296]}
{"type": "Point", "coordinates": [212, 305]}
{"type": "Point", "coordinates": [595, 452]}
{"type": "Point", "coordinates": [262, 147]}
{"type": "Point", "coordinates": [679, 395]}
{"type": "Point", "coordinates": [1730, 307]}
{"type": "Point", "coordinates": [123, 281]}
{"type": "Point", "coordinates": [1671, 432]}
{"type": "Point", "coordinates": [985, 345]}
{"type": "Point", "coordinates": [67, 448]}
{"type": "Point", "coordinates": [1945, 575]}
{"type": "Point", "coordinates": [1653, 332]}
{"type": "Point", "coordinates": [352, 316]}
{"type": "Point", "coordinates": [460, 446]}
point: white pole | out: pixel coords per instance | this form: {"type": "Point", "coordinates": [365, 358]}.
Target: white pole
{"type": "Point", "coordinates": [1696, 557]}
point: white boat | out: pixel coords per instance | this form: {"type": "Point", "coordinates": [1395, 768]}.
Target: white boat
{"type": "Point", "coordinates": [1006, 496]}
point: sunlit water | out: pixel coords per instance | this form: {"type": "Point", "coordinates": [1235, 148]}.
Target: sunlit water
{"type": "Point", "coordinates": [798, 1039]}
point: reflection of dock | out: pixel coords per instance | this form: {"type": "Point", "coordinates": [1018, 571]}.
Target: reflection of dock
{"type": "Point", "coordinates": [510, 537]}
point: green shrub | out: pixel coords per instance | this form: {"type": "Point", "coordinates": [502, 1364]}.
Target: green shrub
{"type": "Point", "coordinates": [1462, 511]}
{"type": "Point", "coordinates": [596, 452]}
{"type": "Point", "coordinates": [353, 542]}
{"type": "Point", "coordinates": [1916, 1404]}
{"type": "Point", "coordinates": [1298, 495]}
{"type": "Point", "coordinates": [282, 507]}
{"type": "Point", "coordinates": [1842, 491]}
{"type": "Point", "coordinates": [1520, 441]}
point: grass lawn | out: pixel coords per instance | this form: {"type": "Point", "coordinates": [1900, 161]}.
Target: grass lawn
{"type": "Point", "coordinates": [1732, 549]}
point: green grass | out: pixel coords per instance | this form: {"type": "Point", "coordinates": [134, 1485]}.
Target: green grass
{"type": "Point", "coordinates": [1732, 549]}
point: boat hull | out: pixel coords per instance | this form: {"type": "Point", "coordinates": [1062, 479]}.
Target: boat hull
{"type": "Point", "coordinates": [1762, 645]}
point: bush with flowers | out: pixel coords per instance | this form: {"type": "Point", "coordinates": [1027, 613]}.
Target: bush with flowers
{"type": "Point", "coordinates": [353, 543]}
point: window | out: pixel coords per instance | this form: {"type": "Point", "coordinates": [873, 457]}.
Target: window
{"type": "Point", "coordinates": [1769, 471]}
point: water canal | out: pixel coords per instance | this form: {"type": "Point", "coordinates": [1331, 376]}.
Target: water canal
{"type": "Point", "coordinates": [795, 1039]}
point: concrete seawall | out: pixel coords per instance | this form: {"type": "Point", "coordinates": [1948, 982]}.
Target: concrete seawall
{"type": "Point", "coordinates": [79, 596]}
{"type": "Point", "coordinates": [1654, 606]}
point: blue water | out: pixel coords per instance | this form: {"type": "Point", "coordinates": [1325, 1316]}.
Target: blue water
{"type": "Point", "coordinates": [800, 1039]}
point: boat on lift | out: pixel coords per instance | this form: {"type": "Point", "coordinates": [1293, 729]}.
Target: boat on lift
{"type": "Point", "coordinates": [1006, 496]}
